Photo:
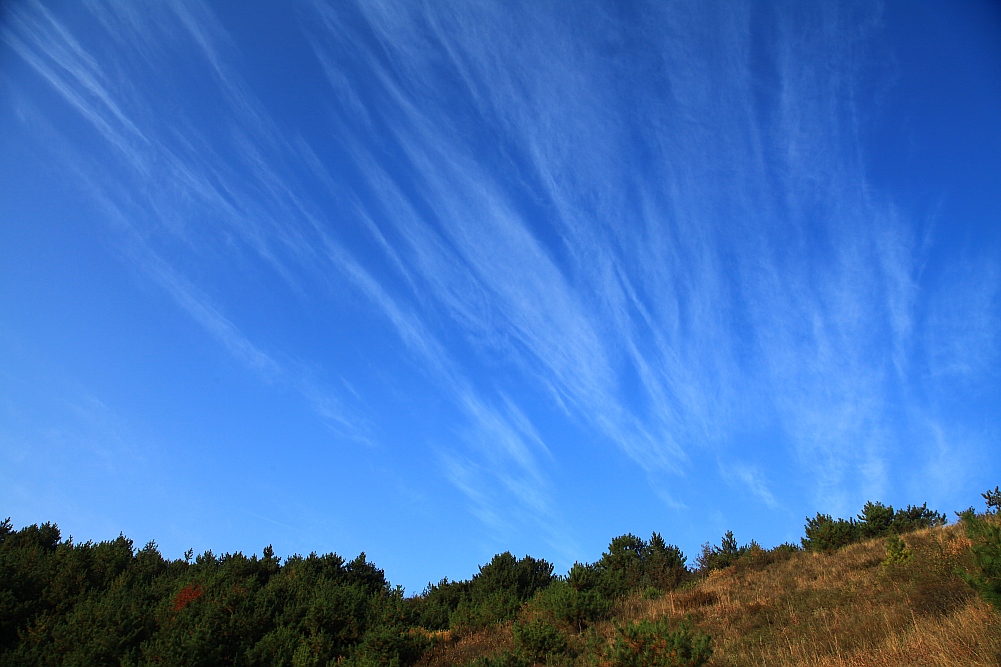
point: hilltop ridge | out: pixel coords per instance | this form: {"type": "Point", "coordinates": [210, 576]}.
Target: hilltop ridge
{"type": "Point", "coordinates": [812, 608]}
{"type": "Point", "coordinates": [888, 587]}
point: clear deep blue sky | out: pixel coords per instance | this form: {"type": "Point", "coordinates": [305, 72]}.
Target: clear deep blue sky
{"type": "Point", "coordinates": [438, 280]}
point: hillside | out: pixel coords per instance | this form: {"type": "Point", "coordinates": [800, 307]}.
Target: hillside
{"type": "Point", "coordinates": [890, 587]}
{"type": "Point", "coordinates": [838, 609]}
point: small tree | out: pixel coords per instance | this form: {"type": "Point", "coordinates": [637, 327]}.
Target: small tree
{"type": "Point", "coordinates": [725, 555]}
{"type": "Point", "coordinates": [985, 533]}
{"type": "Point", "coordinates": [825, 534]}
{"type": "Point", "coordinates": [993, 499]}
{"type": "Point", "coordinates": [875, 520]}
{"type": "Point", "coordinates": [653, 644]}
{"type": "Point", "coordinates": [664, 565]}
{"type": "Point", "coordinates": [537, 639]}
{"type": "Point", "coordinates": [897, 552]}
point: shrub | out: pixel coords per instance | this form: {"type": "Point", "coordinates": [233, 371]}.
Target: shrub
{"type": "Point", "coordinates": [484, 610]}
{"type": "Point", "coordinates": [432, 608]}
{"type": "Point", "coordinates": [538, 639]}
{"type": "Point", "coordinates": [725, 555]}
{"type": "Point", "coordinates": [993, 499]}
{"type": "Point", "coordinates": [663, 564]}
{"type": "Point", "coordinates": [388, 645]}
{"type": "Point", "coordinates": [875, 520]}
{"type": "Point", "coordinates": [584, 577]}
{"type": "Point", "coordinates": [502, 659]}
{"type": "Point", "coordinates": [984, 532]}
{"type": "Point", "coordinates": [825, 534]}
{"type": "Point", "coordinates": [915, 518]}
{"type": "Point", "coordinates": [621, 567]}
{"type": "Point", "coordinates": [565, 604]}
{"type": "Point", "coordinates": [897, 552]}
{"type": "Point", "coordinates": [654, 644]}
{"type": "Point", "coordinates": [506, 573]}
{"type": "Point", "coordinates": [632, 563]}
{"type": "Point", "coordinates": [494, 594]}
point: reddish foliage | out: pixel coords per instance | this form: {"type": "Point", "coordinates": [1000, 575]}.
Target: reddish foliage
{"type": "Point", "coordinates": [187, 595]}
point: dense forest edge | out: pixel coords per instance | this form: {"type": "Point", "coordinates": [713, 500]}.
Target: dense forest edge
{"type": "Point", "coordinates": [642, 603]}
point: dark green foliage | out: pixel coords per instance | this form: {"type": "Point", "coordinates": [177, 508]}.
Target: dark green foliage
{"type": "Point", "coordinates": [108, 604]}
{"type": "Point", "coordinates": [993, 499]}
{"type": "Point", "coordinates": [538, 638]}
{"type": "Point", "coordinates": [664, 564]}
{"type": "Point", "coordinates": [584, 577]}
{"type": "Point", "coordinates": [632, 563]}
{"type": "Point", "coordinates": [503, 659]}
{"type": "Point", "coordinates": [655, 644]}
{"type": "Point", "coordinates": [823, 533]}
{"type": "Point", "coordinates": [897, 552]}
{"type": "Point", "coordinates": [876, 519]}
{"type": "Point", "coordinates": [494, 594]}
{"type": "Point", "coordinates": [504, 573]}
{"type": "Point", "coordinates": [725, 555]}
{"type": "Point", "coordinates": [564, 604]}
{"type": "Point", "coordinates": [915, 518]}
{"type": "Point", "coordinates": [621, 567]}
{"type": "Point", "coordinates": [985, 533]}
{"type": "Point", "coordinates": [432, 608]}
{"type": "Point", "coordinates": [826, 534]}
{"type": "Point", "coordinates": [498, 590]}
{"type": "Point", "coordinates": [389, 645]}
{"type": "Point", "coordinates": [475, 614]}
{"type": "Point", "coordinates": [786, 549]}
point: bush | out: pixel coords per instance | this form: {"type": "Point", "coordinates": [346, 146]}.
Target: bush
{"type": "Point", "coordinates": [825, 534]}
{"type": "Point", "coordinates": [914, 518]}
{"type": "Point", "coordinates": [565, 604]}
{"type": "Point", "coordinates": [504, 572]}
{"type": "Point", "coordinates": [537, 639]}
{"type": "Point", "coordinates": [388, 645]}
{"type": "Point", "coordinates": [875, 520]}
{"type": "Point", "coordinates": [484, 610]}
{"type": "Point", "coordinates": [725, 555]}
{"type": "Point", "coordinates": [654, 644]}
{"type": "Point", "coordinates": [897, 552]}
{"type": "Point", "coordinates": [632, 563]}
{"type": "Point", "coordinates": [664, 564]}
{"type": "Point", "coordinates": [993, 499]}
{"type": "Point", "coordinates": [985, 533]}
{"type": "Point", "coordinates": [493, 595]}
{"type": "Point", "coordinates": [432, 608]}
{"type": "Point", "coordinates": [502, 659]}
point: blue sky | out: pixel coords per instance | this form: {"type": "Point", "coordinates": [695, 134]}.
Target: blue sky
{"type": "Point", "coordinates": [438, 280]}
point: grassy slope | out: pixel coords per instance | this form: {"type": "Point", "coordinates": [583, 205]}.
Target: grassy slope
{"type": "Point", "coordinates": [814, 609]}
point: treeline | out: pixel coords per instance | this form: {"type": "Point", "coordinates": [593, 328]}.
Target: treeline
{"type": "Point", "coordinates": [109, 603]}
{"type": "Point", "coordinates": [824, 533]}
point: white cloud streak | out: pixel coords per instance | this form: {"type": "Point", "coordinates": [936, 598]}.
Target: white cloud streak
{"type": "Point", "coordinates": [183, 175]}
{"type": "Point", "coordinates": [742, 266]}
{"type": "Point", "coordinates": [673, 242]}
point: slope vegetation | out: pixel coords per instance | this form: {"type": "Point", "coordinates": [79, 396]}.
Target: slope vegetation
{"type": "Point", "coordinates": [888, 587]}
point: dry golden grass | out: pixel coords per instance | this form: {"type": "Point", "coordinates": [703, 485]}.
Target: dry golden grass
{"type": "Point", "coordinates": [842, 609]}
{"type": "Point", "coordinates": [462, 650]}
{"type": "Point", "coordinates": [815, 610]}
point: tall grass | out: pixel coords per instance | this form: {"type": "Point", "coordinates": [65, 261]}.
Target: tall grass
{"type": "Point", "coordinates": [841, 609]}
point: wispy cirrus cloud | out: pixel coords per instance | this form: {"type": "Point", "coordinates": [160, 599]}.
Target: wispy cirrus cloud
{"type": "Point", "coordinates": [195, 192]}
{"type": "Point", "coordinates": [658, 222]}
{"type": "Point", "coordinates": [174, 176]}
{"type": "Point", "coordinates": [709, 245]}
